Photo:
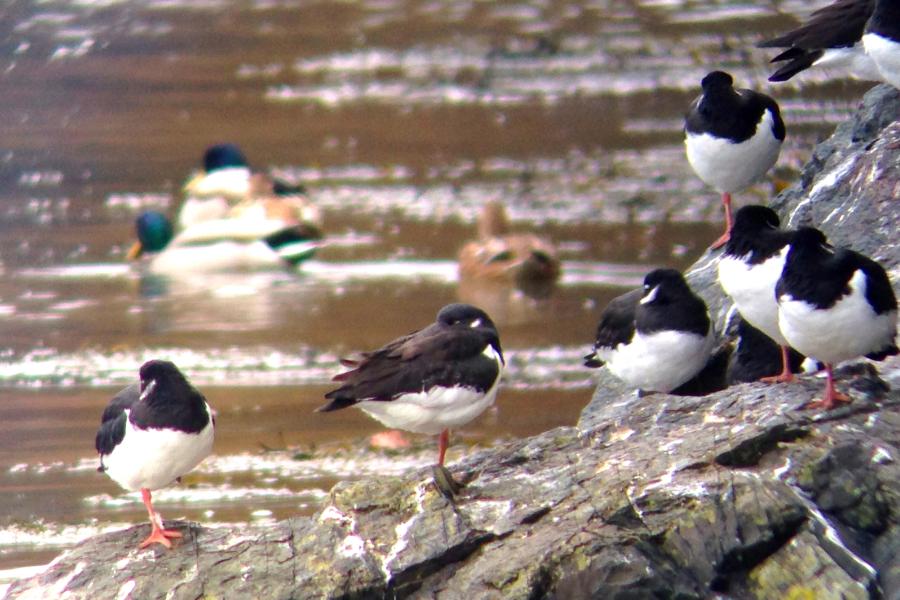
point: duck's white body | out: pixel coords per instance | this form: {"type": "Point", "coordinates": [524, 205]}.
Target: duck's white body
{"type": "Point", "coordinates": [232, 244]}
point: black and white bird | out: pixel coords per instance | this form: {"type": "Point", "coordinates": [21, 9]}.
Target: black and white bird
{"type": "Point", "coordinates": [655, 338]}
{"type": "Point", "coordinates": [831, 38]}
{"type": "Point", "coordinates": [152, 433]}
{"type": "Point", "coordinates": [749, 269]}
{"type": "Point", "coordinates": [755, 357]}
{"type": "Point", "coordinates": [882, 40]}
{"type": "Point", "coordinates": [429, 381]}
{"type": "Point", "coordinates": [732, 138]}
{"type": "Point", "coordinates": [835, 304]}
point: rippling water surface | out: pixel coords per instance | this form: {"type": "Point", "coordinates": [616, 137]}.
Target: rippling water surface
{"type": "Point", "coordinates": [402, 117]}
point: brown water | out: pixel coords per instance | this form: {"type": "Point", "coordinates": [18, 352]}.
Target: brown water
{"type": "Point", "coordinates": [402, 117]}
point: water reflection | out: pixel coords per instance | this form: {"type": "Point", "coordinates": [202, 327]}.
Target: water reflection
{"type": "Point", "coordinates": [220, 302]}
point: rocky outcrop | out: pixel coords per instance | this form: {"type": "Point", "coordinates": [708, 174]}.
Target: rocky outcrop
{"type": "Point", "coordinates": [738, 493]}
{"type": "Point", "coordinates": [850, 189]}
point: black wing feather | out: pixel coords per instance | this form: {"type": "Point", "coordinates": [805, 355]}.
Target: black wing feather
{"type": "Point", "coordinates": [124, 399]}
{"type": "Point", "coordinates": [616, 325]}
{"type": "Point", "coordinates": [879, 292]}
{"type": "Point", "coordinates": [113, 421]}
{"type": "Point", "coordinates": [432, 356]}
{"type": "Point", "coordinates": [837, 25]}
{"type": "Point", "coordinates": [110, 435]}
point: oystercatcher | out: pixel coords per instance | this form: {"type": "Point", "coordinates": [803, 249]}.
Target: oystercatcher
{"type": "Point", "coordinates": [832, 37]}
{"type": "Point", "coordinates": [749, 269]}
{"type": "Point", "coordinates": [732, 137]}
{"type": "Point", "coordinates": [429, 381]}
{"type": "Point", "coordinates": [882, 40]}
{"type": "Point", "coordinates": [835, 304]}
{"type": "Point", "coordinates": [655, 338]}
{"type": "Point", "coordinates": [755, 357]}
{"type": "Point", "coordinates": [152, 433]}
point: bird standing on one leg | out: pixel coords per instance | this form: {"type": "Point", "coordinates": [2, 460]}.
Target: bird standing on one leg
{"type": "Point", "coordinates": [732, 138]}
{"type": "Point", "coordinates": [835, 304]}
{"type": "Point", "coordinates": [152, 433]}
{"type": "Point", "coordinates": [429, 381]}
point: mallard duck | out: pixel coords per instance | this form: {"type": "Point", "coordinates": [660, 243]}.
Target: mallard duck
{"type": "Point", "coordinates": [502, 256]}
{"type": "Point", "coordinates": [227, 187]}
{"type": "Point", "coordinates": [246, 242]}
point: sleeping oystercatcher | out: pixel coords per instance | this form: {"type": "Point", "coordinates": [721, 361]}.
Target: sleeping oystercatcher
{"type": "Point", "coordinates": [832, 37]}
{"type": "Point", "coordinates": [749, 269]}
{"type": "Point", "coordinates": [431, 380]}
{"type": "Point", "coordinates": [732, 137]}
{"type": "Point", "coordinates": [152, 433]}
{"type": "Point", "coordinates": [655, 338]}
{"type": "Point", "coordinates": [882, 40]}
{"type": "Point", "coordinates": [755, 357]}
{"type": "Point", "coordinates": [835, 304]}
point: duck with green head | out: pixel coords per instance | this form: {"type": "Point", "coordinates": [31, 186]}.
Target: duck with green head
{"type": "Point", "coordinates": [231, 244]}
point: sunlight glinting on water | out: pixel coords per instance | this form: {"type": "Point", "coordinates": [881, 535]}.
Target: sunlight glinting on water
{"type": "Point", "coordinates": [531, 368]}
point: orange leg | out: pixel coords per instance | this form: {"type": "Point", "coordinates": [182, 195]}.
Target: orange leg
{"type": "Point", "coordinates": [729, 221]}
{"type": "Point", "coordinates": [443, 442]}
{"type": "Point", "coordinates": [785, 376]}
{"type": "Point", "coordinates": [832, 397]}
{"type": "Point", "coordinates": [158, 534]}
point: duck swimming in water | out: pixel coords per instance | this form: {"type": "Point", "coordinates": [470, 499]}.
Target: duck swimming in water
{"type": "Point", "coordinates": [499, 255]}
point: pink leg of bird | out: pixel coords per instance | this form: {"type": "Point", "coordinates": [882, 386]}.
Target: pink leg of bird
{"type": "Point", "coordinates": [729, 221]}
{"type": "Point", "coordinates": [785, 376]}
{"type": "Point", "coordinates": [443, 480]}
{"type": "Point", "coordinates": [832, 397]}
{"type": "Point", "coordinates": [158, 534]}
{"type": "Point", "coordinates": [443, 442]}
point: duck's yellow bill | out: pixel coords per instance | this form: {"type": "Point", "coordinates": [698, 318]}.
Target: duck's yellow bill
{"type": "Point", "coordinates": [135, 251]}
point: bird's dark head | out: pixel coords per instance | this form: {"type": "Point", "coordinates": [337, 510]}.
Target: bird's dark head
{"type": "Point", "coordinates": [154, 231]}
{"type": "Point", "coordinates": [716, 81]}
{"type": "Point", "coordinates": [223, 156]}
{"type": "Point", "coordinates": [155, 373]}
{"type": "Point", "coordinates": [471, 317]}
{"type": "Point", "coordinates": [661, 285]}
{"type": "Point", "coordinates": [465, 315]}
{"type": "Point", "coordinates": [810, 239]}
{"type": "Point", "coordinates": [755, 217]}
